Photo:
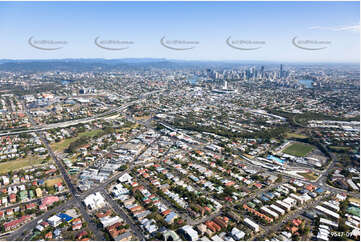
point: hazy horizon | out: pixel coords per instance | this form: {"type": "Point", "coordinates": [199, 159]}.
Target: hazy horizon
{"type": "Point", "coordinates": [178, 60]}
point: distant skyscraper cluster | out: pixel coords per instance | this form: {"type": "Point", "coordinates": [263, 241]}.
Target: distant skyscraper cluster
{"type": "Point", "coordinates": [253, 73]}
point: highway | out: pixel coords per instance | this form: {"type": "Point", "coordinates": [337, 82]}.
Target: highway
{"type": "Point", "coordinates": [36, 127]}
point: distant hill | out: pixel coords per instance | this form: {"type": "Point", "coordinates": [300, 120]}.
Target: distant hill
{"type": "Point", "coordinates": [105, 65]}
{"type": "Point", "coordinates": [82, 65]}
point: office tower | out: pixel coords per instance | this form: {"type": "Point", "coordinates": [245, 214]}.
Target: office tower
{"type": "Point", "coordinates": [248, 74]}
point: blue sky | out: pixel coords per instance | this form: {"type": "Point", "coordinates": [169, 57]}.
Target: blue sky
{"type": "Point", "coordinates": [209, 23]}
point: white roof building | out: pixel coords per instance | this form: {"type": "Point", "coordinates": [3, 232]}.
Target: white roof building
{"type": "Point", "coordinates": [352, 185]}
{"type": "Point", "coordinates": [269, 212]}
{"type": "Point", "coordinates": [237, 234]}
{"type": "Point", "coordinates": [341, 197]}
{"type": "Point", "coordinates": [288, 235]}
{"type": "Point", "coordinates": [54, 221]}
{"type": "Point", "coordinates": [190, 232]}
{"type": "Point", "coordinates": [305, 197]}
{"type": "Point", "coordinates": [284, 205]}
{"type": "Point", "coordinates": [331, 205]}
{"type": "Point", "coordinates": [94, 201]}
{"type": "Point", "coordinates": [39, 227]}
{"type": "Point", "coordinates": [5, 180]}
{"type": "Point", "coordinates": [328, 222]}
{"type": "Point", "coordinates": [216, 238]}
{"type": "Point", "coordinates": [292, 202]}
{"type": "Point", "coordinates": [125, 178]}
{"type": "Point", "coordinates": [279, 210]}
{"type": "Point", "coordinates": [298, 198]}
{"type": "Point", "coordinates": [253, 225]}
{"type": "Point", "coordinates": [328, 212]}
{"type": "Point", "coordinates": [289, 186]}
{"type": "Point", "coordinates": [109, 221]}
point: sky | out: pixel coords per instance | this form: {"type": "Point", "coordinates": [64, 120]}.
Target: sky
{"type": "Point", "coordinates": [206, 25]}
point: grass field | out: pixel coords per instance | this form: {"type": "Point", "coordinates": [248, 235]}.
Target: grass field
{"type": "Point", "coordinates": [339, 148]}
{"type": "Point", "coordinates": [298, 149]}
{"type": "Point", "coordinates": [64, 144]}
{"type": "Point", "coordinates": [296, 136]}
{"type": "Point", "coordinates": [309, 175]}
{"type": "Point", "coordinates": [52, 182]}
{"type": "Point", "coordinates": [20, 163]}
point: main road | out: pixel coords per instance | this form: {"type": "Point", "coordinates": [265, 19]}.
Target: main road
{"type": "Point", "coordinates": [77, 202]}
{"type": "Point", "coordinates": [36, 127]}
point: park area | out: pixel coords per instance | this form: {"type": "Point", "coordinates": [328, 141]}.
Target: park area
{"type": "Point", "coordinates": [298, 149]}
{"type": "Point", "coordinates": [29, 161]}
{"type": "Point", "coordinates": [64, 144]}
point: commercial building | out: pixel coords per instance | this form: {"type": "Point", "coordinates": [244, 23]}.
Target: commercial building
{"type": "Point", "coordinates": [94, 201]}
{"type": "Point", "coordinates": [54, 221]}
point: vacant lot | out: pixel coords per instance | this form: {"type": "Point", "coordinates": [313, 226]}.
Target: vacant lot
{"type": "Point", "coordinates": [20, 163]}
{"type": "Point", "coordinates": [298, 149]}
{"type": "Point", "coordinates": [295, 135]}
{"type": "Point", "coordinates": [142, 117]}
{"type": "Point", "coordinates": [64, 144]}
{"type": "Point", "coordinates": [52, 182]}
{"type": "Point", "coordinates": [309, 175]}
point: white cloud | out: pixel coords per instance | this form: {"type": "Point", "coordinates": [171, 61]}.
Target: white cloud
{"type": "Point", "coordinates": [352, 28]}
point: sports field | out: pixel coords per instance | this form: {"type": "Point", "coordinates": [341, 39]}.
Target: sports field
{"type": "Point", "coordinates": [298, 149]}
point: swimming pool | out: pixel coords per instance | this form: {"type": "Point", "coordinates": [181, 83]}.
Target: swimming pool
{"type": "Point", "coordinates": [274, 158]}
